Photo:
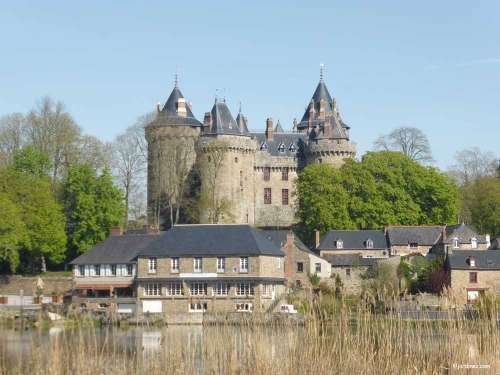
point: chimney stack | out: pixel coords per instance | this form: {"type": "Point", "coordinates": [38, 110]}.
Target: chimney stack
{"type": "Point", "coordinates": [207, 120]}
{"type": "Point", "coordinates": [116, 231]}
{"type": "Point", "coordinates": [317, 238]}
{"type": "Point", "coordinates": [269, 129]}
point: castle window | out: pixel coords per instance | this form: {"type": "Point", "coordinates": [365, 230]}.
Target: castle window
{"type": "Point", "coordinates": [241, 179]}
{"type": "Point", "coordinates": [209, 159]}
{"type": "Point", "coordinates": [267, 173]}
{"type": "Point", "coordinates": [339, 244]}
{"type": "Point", "coordinates": [284, 197]}
{"type": "Point", "coordinates": [473, 243]}
{"type": "Point", "coordinates": [292, 147]}
{"type": "Point", "coordinates": [281, 147]}
{"type": "Point", "coordinates": [284, 174]}
{"type": "Point", "coordinates": [235, 160]}
{"type": "Point", "coordinates": [369, 244]}
{"type": "Point", "coordinates": [267, 195]}
{"type": "Point", "coordinates": [263, 146]}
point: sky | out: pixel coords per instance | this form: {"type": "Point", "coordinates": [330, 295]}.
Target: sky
{"type": "Point", "coordinates": [434, 65]}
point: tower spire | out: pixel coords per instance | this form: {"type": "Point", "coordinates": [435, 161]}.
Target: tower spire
{"type": "Point", "coordinates": [176, 80]}
{"type": "Point", "coordinates": [321, 71]}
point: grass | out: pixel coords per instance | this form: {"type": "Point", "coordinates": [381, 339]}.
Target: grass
{"type": "Point", "coordinates": [337, 339]}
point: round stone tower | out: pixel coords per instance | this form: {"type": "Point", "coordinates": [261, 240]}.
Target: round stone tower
{"type": "Point", "coordinates": [226, 154]}
{"type": "Point", "coordinates": [171, 139]}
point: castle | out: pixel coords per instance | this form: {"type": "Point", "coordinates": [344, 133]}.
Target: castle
{"type": "Point", "coordinates": [246, 177]}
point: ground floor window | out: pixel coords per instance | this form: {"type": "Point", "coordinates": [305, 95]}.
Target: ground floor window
{"type": "Point", "coordinates": [174, 289]}
{"type": "Point", "coordinates": [221, 289]}
{"type": "Point", "coordinates": [244, 306]}
{"type": "Point", "coordinates": [244, 289]}
{"type": "Point", "coordinates": [197, 307]}
{"type": "Point", "coordinates": [198, 289]}
{"type": "Point", "coordinates": [152, 289]}
{"type": "Point", "coordinates": [473, 296]}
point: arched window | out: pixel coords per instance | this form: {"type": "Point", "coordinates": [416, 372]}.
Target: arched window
{"type": "Point", "coordinates": [369, 243]}
{"type": "Point", "coordinates": [473, 242]}
{"type": "Point", "coordinates": [339, 244]}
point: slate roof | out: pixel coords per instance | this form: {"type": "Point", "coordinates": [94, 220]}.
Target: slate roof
{"type": "Point", "coordinates": [116, 249]}
{"type": "Point", "coordinates": [348, 260]}
{"type": "Point", "coordinates": [222, 120]}
{"type": "Point", "coordinates": [278, 237]}
{"type": "Point", "coordinates": [353, 239]}
{"type": "Point", "coordinates": [423, 235]}
{"type": "Point", "coordinates": [169, 116]}
{"type": "Point", "coordinates": [242, 123]}
{"type": "Point", "coordinates": [211, 240]}
{"type": "Point", "coordinates": [485, 259]}
{"type": "Point", "coordinates": [278, 128]}
{"type": "Point", "coordinates": [285, 139]}
{"type": "Point", "coordinates": [463, 233]}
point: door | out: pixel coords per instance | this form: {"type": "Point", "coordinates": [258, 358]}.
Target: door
{"type": "Point", "coordinates": [152, 306]}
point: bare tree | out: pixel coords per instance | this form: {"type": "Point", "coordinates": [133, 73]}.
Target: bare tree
{"type": "Point", "coordinates": [12, 134]}
{"type": "Point", "coordinates": [472, 163]}
{"type": "Point", "coordinates": [94, 152]}
{"type": "Point", "coordinates": [215, 206]}
{"type": "Point", "coordinates": [52, 130]}
{"type": "Point", "coordinates": [128, 166]}
{"type": "Point", "coordinates": [410, 141]}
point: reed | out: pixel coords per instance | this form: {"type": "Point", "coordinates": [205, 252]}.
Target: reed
{"type": "Point", "coordinates": [337, 339]}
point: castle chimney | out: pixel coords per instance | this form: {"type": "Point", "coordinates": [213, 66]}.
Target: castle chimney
{"type": "Point", "coordinates": [269, 129]}
{"type": "Point", "coordinates": [207, 120]}
{"type": "Point", "coordinates": [115, 231]}
{"type": "Point", "coordinates": [317, 238]}
{"type": "Point", "coordinates": [181, 107]}
{"type": "Point", "coordinates": [294, 125]}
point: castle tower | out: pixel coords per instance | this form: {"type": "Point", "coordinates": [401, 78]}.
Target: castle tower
{"type": "Point", "coordinates": [328, 135]}
{"type": "Point", "coordinates": [226, 154]}
{"type": "Point", "coordinates": [171, 139]}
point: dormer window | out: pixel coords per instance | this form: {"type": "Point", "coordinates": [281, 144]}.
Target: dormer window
{"type": "Point", "coordinates": [455, 243]}
{"type": "Point", "coordinates": [473, 243]}
{"type": "Point", "coordinates": [369, 244]}
{"type": "Point", "coordinates": [281, 147]}
{"type": "Point", "coordinates": [471, 261]}
{"type": "Point", "coordinates": [263, 146]}
{"type": "Point", "coordinates": [339, 244]}
{"type": "Point", "coordinates": [292, 148]}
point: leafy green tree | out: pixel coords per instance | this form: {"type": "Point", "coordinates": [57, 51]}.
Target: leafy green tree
{"type": "Point", "coordinates": [481, 204]}
{"type": "Point", "coordinates": [29, 160]}
{"type": "Point", "coordinates": [12, 232]}
{"type": "Point", "coordinates": [44, 239]}
{"type": "Point", "coordinates": [383, 188]}
{"type": "Point", "coordinates": [93, 205]}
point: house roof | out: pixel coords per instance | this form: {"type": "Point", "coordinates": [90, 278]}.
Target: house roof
{"type": "Point", "coordinates": [211, 240]}
{"type": "Point", "coordinates": [293, 143]}
{"type": "Point", "coordinates": [353, 239]}
{"type": "Point", "coordinates": [349, 260]}
{"type": "Point", "coordinates": [485, 259]}
{"type": "Point", "coordinates": [278, 237]}
{"type": "Point", "coordinates": [116, 249]}
{"type": "Point", "coordinates": [423, 235]}
{"type": "Point", "coordinates": [463, 232]}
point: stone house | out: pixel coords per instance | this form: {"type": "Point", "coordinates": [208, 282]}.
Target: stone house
{"type": "Point", "coordinates": [365, 243]}
{"type": "Point", "coordinates": [258, 169]}
{"type": "Point", "coordinates": [474, 273]}
{"type": "Point", "coordinates": [209, 268]}
{"type": "Point", "coordinates": [411, 240]}
{"type": "Point", "coordinates": [460, 237]}
{"type": "Point", "coordinates": [300, 261]}
{"type": "Point", "coordinates": [350, 268]}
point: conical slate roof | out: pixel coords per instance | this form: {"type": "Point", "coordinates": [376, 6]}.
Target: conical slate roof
{"type": "Point", "coordinates": [169, 115]}
{"type": "Point", "coordinates": [222, 120]}
{"type": "Point", "coordinates": [321, 93]}
{"type": "Point", "coordinates": [242, 123]}
{"type": "Point", "coordinates": [278, 128]}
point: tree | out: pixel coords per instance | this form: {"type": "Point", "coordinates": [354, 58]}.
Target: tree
{"type": "Point", "coordinates": [383, 188]}
{"type": "Point", "coordinates": [412, 142]}
{"type": "Point", "coordinates": [93, 205]}
{"type": "Point", "coordinates": [129, 166]}
{"type": "Point", "coordinates": [12, 232]}
{"type": "Point", "coordinates": [12, 133]}
{"type": "Point", "coordinates": [481, 205]}
{"type": "Point", "coordinates": [30, 161]}
{"type": "Point", "coordinates": [213, 206]}
{"type": "Point", "coordinates": [52, 130]}
{"type": "Point", "coordinates": [472, 164]}
{"type": "Point", "coordinates": [44, 238]}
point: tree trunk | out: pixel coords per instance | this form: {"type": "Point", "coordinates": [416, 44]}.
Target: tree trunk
{"type": "Point", "coordinates": [44, 265]}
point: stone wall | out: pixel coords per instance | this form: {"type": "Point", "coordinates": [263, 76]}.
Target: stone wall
{"type": "Point", "coordinates": [487, 280]}
{"type": "Point", "coordinates": [406, 250]}
{"type": "Point", "coordinates": [374, 253]}
{"type": "Point", "coordinates": [353, 282]}
{"type": "Point", "coordinates": [13, 284]}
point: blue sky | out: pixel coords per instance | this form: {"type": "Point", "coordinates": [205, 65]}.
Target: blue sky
{"type": "Point", "coordinates": [434, 65]}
